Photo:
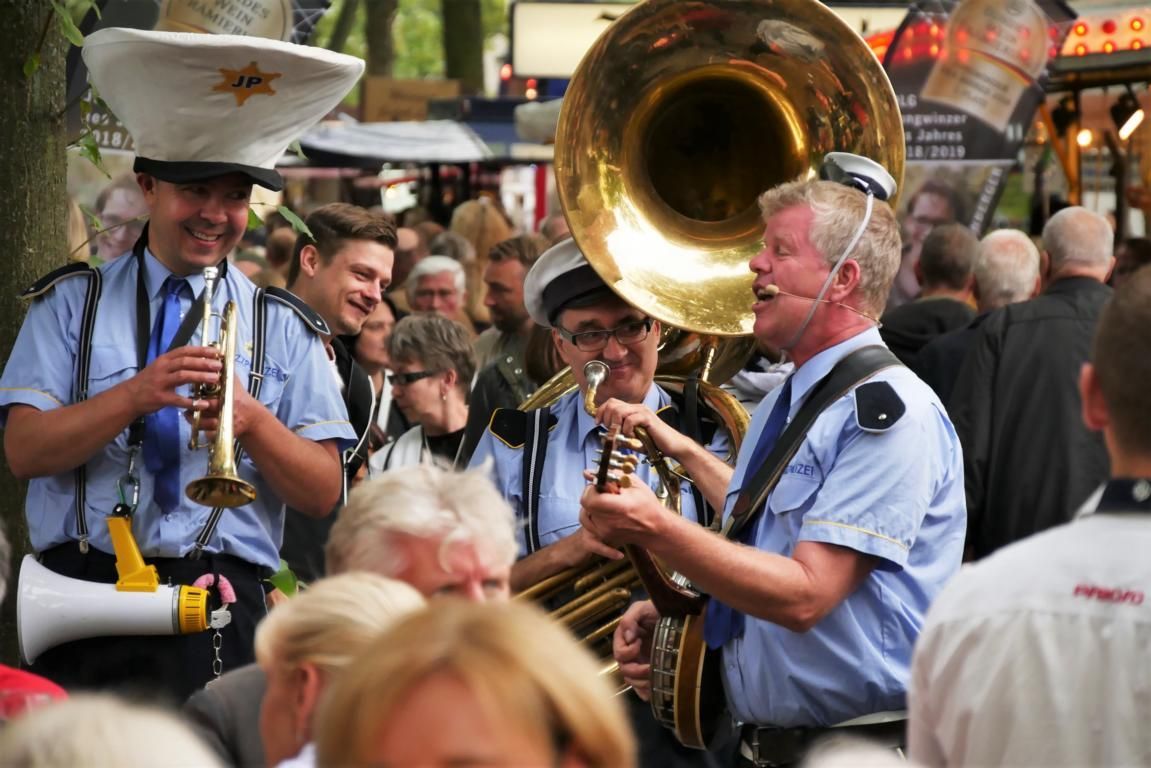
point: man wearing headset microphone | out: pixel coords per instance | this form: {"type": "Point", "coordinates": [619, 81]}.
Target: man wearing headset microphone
{"type": "Point", "coordinates": [845, 514]}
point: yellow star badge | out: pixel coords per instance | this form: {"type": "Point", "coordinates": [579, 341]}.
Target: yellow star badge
{"type": "Point", "coordinates": [246, 82]}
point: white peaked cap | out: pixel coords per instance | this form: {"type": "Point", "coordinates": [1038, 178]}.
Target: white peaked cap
{"type": "Point", "coordinates": [201, 105]}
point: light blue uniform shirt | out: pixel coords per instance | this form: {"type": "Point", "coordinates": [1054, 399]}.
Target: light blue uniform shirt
{"type": "Point", "coordinates": [895, 494]}
{"type": "Point", "coordinates": [572, 447]}
{"type": "Point", "coordinates": [298, 387]}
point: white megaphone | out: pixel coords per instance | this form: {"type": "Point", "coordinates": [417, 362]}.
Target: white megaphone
{"type": "Point", "coordinates": [52, 609]}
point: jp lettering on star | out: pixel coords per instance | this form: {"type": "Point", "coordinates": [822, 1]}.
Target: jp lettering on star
{"type": "Point", "coordinates": [246, 82]}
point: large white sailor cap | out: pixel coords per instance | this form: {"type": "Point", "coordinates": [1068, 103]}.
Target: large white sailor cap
{"type": "Point", "coordinates": [561, 278]}
{"type": "Point", "coordinates": [200, 106]}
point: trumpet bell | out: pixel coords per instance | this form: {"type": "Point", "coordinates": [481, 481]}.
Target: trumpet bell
{"type": "Point", "coordinates": [681, 114]}
{"type": "Point", "coordinates": [221, 491]}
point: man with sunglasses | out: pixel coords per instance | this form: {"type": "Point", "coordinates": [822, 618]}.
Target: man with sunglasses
{"type": "Point", "coordinates": [590, 322]}
{"type": "Point", "coordinates": [831, 551]}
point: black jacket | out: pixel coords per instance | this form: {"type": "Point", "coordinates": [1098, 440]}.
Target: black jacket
{"type": "Point", "coordinates": [304, 536]}
{"type": "Point", "coordinates": [907, 328]}
{"type": "Point", "coordinates": [1029, 462]}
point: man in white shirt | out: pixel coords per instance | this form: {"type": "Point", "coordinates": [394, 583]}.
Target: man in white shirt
{"type": "Point", "coordinates": [1037, 654]}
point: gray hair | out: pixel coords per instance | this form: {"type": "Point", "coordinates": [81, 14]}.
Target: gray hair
{"type": "Point", "coordinates": [1078, 238]}
{"type": "Point", "coordinates": [330, 622]}
{"type": "Point", "coordinates": [434, 265]}
{"type": "Point", "coordinates": [838, 211]}
{"type": "Point", "coordinates": [1006, 268]}
{"type": "Point", "coordinates": [426, 502]}
{"type": "Point", "coordinates": [436, 342]}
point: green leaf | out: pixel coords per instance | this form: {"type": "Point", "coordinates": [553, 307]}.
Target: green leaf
{"type": "Point", "coordinates": [297, 223]}
{"type": "Point", "coordinates": [284, 580]}
{"type": "Point", "coordinates": [94, 222]}
{"type": "Point", "coordinates": [254, 221]}
{"type": "Point", "coordinates": [95, 6]}
{"type": "Point", "coordinates": [31, 64]}
{"type": "Point", "coordinates": [295, 147]}
{"type": "Point", "coordinates": [68, 27]}
{"type": "Point", "coordinates": [90, 150]}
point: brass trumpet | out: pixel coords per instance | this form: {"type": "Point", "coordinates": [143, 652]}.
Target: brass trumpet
{"type": "Point", "coordinates": [221, 486]}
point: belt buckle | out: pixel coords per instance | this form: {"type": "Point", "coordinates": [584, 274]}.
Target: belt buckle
{"type": "Point", "coordinates": [773, 747]}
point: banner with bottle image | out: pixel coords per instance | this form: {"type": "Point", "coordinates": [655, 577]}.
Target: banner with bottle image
{"type": "Point", "coordinates": [969, 76]}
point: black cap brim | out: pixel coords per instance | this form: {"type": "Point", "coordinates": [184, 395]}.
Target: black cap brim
{"type": "Point", "coordinates": [185, 172]}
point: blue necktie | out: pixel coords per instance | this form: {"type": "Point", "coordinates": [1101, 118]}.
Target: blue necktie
{"type": "Point", "coordinates": [723, 622]}
{"type": "Point", "coordinates": [162, 428]}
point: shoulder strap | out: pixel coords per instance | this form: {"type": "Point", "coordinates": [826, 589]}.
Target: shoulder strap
{"type": "Point", "coordinates": [535, 453]}
{"type": "Point", "coordinates": [859, 365]}
{"type": "Point", "coordinates": [83, 370]}
{"type": "Point", "coordinates": [310, 317]}
{"type": "Point", "coordinates": [255, 382]}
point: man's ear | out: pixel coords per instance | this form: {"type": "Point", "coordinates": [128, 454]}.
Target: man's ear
{"type": "Point", "coordinates": [917, 269]}
{"type": "Point", "coordinates": [309, 260]}
{"type": "Point", "coordinates": [846, 281]}
{"type": "Point", "coordinates": [1096, 417]}
{"type": "Point", "coordinates": [147, 184]}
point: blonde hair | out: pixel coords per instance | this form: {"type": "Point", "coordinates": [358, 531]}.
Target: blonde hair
{"type": "Point", "coordinates": [484, 225]}
{"type": "Point", "coordinates": [523, 670]}
{"type": "Point", "coordinates": [330, 622]}
{"type": "Point", "coordinates": [837, 212]}
{"type": "Point", "coordinates": [100, 731]}
{"type": "Point", "coordinates": [425, 502]}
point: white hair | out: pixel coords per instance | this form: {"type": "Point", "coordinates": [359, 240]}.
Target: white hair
{"type": "Point", "coordinates": [328, 623]}
{"type": "Point", "coordinates": [434, 265]}
{"type": "Point", "coordinates": [426, 502]}
{"type": "Point", "coordinates": [1006, 268]}
{"type": "Point", "coordinates": [1078, 238]}
{"type": "Point", "coordinates": [101, 731]}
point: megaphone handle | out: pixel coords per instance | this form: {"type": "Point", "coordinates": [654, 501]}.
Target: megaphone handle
{"type": "Point", "coordinates": [134, 575]}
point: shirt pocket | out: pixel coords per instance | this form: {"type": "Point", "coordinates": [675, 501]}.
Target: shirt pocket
{"type": "Point", "coordinates": [108, 367]}
{"type": "Point", "coordinates": [793, 493]}
{"type": "Point", "coordinates": [558, 518]}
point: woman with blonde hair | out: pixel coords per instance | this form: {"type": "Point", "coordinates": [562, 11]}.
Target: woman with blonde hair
{"type": "Point", "coordinates": [483, 224]}
{"type": "Point", "coordinates": [469, 684]}
{"type": "Point", "coordinates": [306, 641]}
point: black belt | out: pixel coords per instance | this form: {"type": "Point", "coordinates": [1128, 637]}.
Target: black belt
{"type": "Point", "coordinates": [772, 746]}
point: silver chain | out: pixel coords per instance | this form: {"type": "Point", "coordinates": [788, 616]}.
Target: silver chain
{"type": "Point", "coordinates": [217, 662]}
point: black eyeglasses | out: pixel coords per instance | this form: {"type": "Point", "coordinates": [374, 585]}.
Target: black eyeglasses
{"type": "Point", "coordinates": [593, 341]}
{"type": "Point", "coordinates": [407, 379]}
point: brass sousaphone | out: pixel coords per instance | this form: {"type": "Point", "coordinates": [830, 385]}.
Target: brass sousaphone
{"type": "Point", "coordinates": [680, 115]}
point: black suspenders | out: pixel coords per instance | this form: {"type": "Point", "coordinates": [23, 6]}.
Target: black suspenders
{"type": "Point", "coordinates": [535, 452]}
{"type": "Point", "coordinates": [80, 387]}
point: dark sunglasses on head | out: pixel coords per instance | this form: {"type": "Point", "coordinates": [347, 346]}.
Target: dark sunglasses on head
{"type": "Point", "coordinates": [406, 379]}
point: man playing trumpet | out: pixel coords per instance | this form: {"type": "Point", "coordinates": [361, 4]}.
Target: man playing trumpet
{"type": "Point", "coordinates": [96, 423]}
{"type": "Point", "coordinates": [817, 601]}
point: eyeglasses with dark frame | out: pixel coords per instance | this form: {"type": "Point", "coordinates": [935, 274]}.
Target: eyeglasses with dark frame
{"type": "Point", "coordinates": [632, 332]}
{"type": "Point", "coordinates": [407, 379]}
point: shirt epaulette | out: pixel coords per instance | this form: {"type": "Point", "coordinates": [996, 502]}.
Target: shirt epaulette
{"type": "Point", "coordinates": [310, 317]}
{"type": "Point", "coordinates": [510, 426]}
{"type": "Point", "coordinates": [46, 282]}
{"type": "Point", "coordinates": [877, 406]}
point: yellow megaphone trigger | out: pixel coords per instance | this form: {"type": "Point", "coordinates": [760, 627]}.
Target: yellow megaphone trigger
{"type": "Point", "coordinates": [193, 610]}
{"type": "Point", "coordinates": [134, 575]}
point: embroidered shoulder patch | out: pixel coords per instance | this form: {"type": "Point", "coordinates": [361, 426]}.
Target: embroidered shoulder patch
{"type": "Point", "coordinates": [510, 426]}
{"type": "Point", "coordinates": [877, 406]}
{"type": "Point", "coordinates": [45, 283]}
{"type": "Point", "coordinates": [310, 317]}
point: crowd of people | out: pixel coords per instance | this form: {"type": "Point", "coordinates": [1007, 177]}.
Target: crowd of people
{"type": "Point", "coordinates": [927, 398]}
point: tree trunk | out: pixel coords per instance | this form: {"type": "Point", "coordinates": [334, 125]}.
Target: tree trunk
{"type": "Point", "coordinates": [464, 44]}
{"type": "Point", "coordinates": [33, 170]}
{"type": "Point", "coordinates": [346, 19]}
{"type": "Point", "coordinates": [379, 17]}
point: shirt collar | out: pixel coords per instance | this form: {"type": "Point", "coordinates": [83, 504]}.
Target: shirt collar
{"type": "Point", "coordinates": [812, 372]}
{"type": "Point", "coordinates": [586, 423]}
{"type": "Point", "coordinates": [155, 273]}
